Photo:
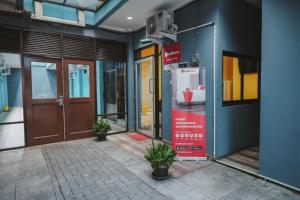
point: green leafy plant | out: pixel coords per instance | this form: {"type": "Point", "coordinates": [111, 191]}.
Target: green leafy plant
{"type": "Point", "coordinates": [101, 127]}
{"type": "Point", "coordinates": [160, 155]}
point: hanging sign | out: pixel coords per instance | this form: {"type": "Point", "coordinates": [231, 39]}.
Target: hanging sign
{"type": "Point", "coordinates": [188, 113]}
{"type": "Point", "coordinates": [172, 53]}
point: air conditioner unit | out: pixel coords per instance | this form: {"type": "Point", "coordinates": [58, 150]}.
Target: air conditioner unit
{"type": "Point", "coordinates": [162, 22]}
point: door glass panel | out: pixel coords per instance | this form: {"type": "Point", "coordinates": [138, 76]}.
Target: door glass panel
{"type": "Point", "coordinates": [43, 80]}
{"type": "Point", "coordinates": [144, 96]}
{"type": "Point", "coordinates": [79, 81]}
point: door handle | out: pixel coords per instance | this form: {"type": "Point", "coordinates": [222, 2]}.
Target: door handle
{"type": "Point", "coordinates": [60, 101]}
{"type": "Point", "coordinates": [150, 86]}
{"type": "Point", "coordinates": [151, 89]}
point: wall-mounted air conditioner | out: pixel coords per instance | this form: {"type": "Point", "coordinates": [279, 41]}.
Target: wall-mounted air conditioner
{"type": "Point", "coordinates": [161, 25]}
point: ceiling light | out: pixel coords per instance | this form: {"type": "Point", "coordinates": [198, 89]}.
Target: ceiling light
{"type": "Point", "coordinates": [129, 18]}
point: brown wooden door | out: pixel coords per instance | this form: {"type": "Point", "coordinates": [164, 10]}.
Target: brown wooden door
{"type": "Point", "coordinates": [44, 114]}
{"type": "Point", "coordinates": [79, 89]}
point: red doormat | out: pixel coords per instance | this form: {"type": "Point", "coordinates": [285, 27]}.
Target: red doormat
{"type": "Point", "coordinates": [138, 136]}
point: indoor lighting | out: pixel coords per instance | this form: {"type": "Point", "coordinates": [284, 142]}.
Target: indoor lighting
{"type": "Point", "coordinates": [129, 18]}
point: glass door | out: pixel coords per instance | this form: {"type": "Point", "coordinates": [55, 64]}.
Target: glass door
{"type": "Point", "coordinates": [145, 91]}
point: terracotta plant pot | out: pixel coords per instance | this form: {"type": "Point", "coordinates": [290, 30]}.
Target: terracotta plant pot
{"type": "Point", "coordinates": [160, 173]}
{"type": "Point", "coordinates": [188, 95]}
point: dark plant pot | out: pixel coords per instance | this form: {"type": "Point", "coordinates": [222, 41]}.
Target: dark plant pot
{"type": "Point", "coordinates": [101, 137]}
{"type": "Point", "coordinates": [160, 173]}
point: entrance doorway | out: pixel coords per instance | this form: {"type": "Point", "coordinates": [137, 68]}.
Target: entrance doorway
{"type": "Point", "coordinates": [239, 144]}
{"type": "Point", "coordinates": [145, 95]}
{"type": "Point", "coordinates": [60, 101]}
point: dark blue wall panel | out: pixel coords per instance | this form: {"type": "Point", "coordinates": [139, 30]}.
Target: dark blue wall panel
{"type": "Point", "coordinates": [130, 84]}
{"type": "Point", "coordinates": [198, 41]}
{"type": "Point", "coordinates": [238, 30]}
{"type": "Point", "coordinates": [280, 93]}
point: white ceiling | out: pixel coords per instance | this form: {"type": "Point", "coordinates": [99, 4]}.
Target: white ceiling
{"type": "Point", "coordinates": [140, 10]}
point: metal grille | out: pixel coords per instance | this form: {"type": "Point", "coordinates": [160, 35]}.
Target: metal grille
{"type": "Point", "coordinates": [44, 44]}
{"type": "Point", "coordinates": [75, 47]}
{"type": "Point", "coordinates": [111, 51]}
{"type": "Point", "coordinates": [9, 40]}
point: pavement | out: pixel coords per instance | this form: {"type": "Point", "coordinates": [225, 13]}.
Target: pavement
{"type": "Point", "coordinates": [87, 169]}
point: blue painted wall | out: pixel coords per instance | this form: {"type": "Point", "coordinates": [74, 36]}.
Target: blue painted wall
{"type": "Point", "coordinates": [14, 84]}
{"type": "Point", "coordinates": [199, 41]}
{"type": "Point", "coordinates": [238, 30]}
{"type": "Point", "coordinates": [99, 86]}
{"type": "Point", "coordinates": [280, 93]}
{"type": "Point", "coordinates": [130, 83]}
{"type": "Point", "coordinates": [234, 131]}
{"type": "Point", "coordinates": [60, 12]}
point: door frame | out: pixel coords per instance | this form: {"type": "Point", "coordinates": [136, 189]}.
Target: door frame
{"type": "Point", "coordinates": [152, 79]}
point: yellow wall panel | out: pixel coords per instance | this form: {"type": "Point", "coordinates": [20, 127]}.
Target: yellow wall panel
{"type": "Point", "coordinates": [236, 80]}
{"type": "Point", "coordinates": [251, 86]}
{"type": "Point", "coordinates": [150, 51]}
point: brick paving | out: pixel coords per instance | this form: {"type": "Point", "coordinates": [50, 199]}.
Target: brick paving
{"type": "Point", "coordinates": [81, 170]}
{"type": "Point", "coordinates": [86, 169]}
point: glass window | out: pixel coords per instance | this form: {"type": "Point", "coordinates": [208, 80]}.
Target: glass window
{"type": "Point", "coordinates": [117, 122]}
{"type": "Point", "coordinates": [79, 81]}
{"type": "Point", "coordinates": [44, 80]}
{"type": "Point", "coordinates": [11, 97]}
{"type": "Point", "coordinates": [111, 92]}
{"type": "Point", "coordinates": [240, 79]}
{"type": "Point", "coordinates": [11, 102]}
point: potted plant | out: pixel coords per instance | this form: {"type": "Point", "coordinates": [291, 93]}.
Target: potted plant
{"type": "Point", "coordinates": [161, 156]}
{"type": "Point", "coordinates": [101, 128]}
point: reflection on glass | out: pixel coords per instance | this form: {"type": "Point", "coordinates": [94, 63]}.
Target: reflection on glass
{"type": "Point", "coordinates": [145, 112]}
{"type": "Point", "coordinates": [117, 124]}
{"type": "Point", "coordinates": [79, 81]}
{"type": "Point", "coordinates": [44, 80]}
{"type": "Point", "coordinates": [12, 136]}
{"type": "Point", "coordinates": [11, 98]}
{"type": "Point", "coordinates": [111, 88]}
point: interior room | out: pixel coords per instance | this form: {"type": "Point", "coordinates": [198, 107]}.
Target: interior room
{"type": "Point", "coordinates": [111, 93]}
{"type": "Point", "coordinates": [11, 102]}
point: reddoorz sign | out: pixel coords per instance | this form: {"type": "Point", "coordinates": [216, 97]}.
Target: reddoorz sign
{"type": "Point", "coordinates": [172, 53]}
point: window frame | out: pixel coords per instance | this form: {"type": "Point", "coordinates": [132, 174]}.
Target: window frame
{"type": "Point", "coordinates": [242, 101]}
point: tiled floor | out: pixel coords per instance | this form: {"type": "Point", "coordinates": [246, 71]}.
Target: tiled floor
{"type": "Point", "coordinates": [87, 169]}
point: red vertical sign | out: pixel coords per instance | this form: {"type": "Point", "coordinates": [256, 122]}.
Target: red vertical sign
{"type": "Point", "coordinates": [188, 107]}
